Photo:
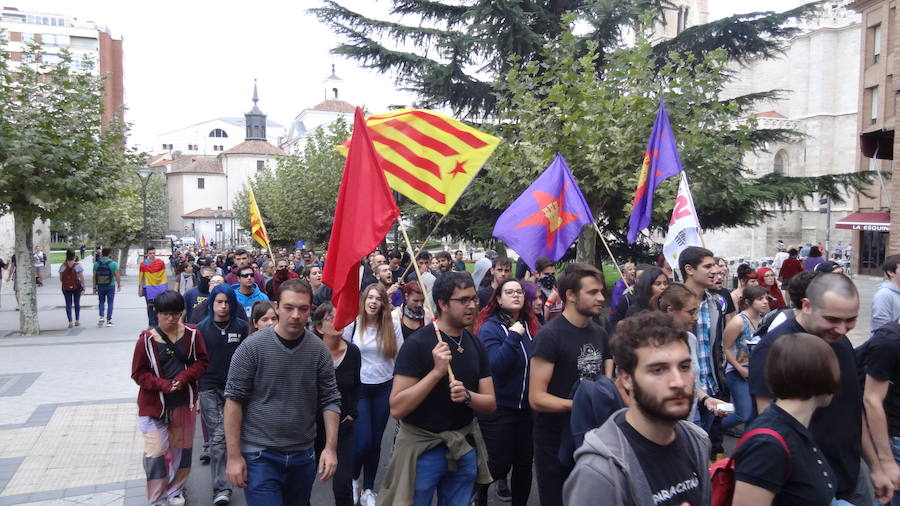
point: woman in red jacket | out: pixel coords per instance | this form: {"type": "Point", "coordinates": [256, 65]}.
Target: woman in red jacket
{"type": "Point", "coordinates": [168, 361]}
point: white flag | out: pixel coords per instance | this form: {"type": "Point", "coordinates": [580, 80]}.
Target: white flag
{"type": "Point", "coordinates": [684, 227]}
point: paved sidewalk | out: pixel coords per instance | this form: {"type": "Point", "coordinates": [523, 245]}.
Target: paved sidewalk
{"type": "Point", "coordinates": [68, 415]}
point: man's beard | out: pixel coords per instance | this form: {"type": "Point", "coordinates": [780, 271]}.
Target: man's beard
{"type": "Point", "coordinates": [654, 409]}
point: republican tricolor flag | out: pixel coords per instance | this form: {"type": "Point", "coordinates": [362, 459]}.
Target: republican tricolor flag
{"type": "Point", "coordinates": [660, 162]}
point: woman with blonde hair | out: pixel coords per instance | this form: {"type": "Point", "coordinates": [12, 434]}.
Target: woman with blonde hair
{"type": "Point", "coordinates": [378, 337]}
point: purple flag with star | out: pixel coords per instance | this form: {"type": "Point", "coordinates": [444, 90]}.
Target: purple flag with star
{"type": "Point", "coordinates": [660, 162]}
{"type": "Point", "coordinates": [547, 217]}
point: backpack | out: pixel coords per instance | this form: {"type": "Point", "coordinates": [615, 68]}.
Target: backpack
{"type": "Point", "coordinates": [69, 279]}
{"type": "Point", "coordinates": [721, 473]}
{"type": "Point", "coordinates": [763, 328]}
{"type": "Point", "coordinates": [103, 274]}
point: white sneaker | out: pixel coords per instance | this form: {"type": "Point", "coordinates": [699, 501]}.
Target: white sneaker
{"type": "Point", "coordinates": [177, 500]}
{"type": "Point", "coordinates": [356, 491]}
{"type": "Point", "coordinates": [101, 322]}
{"type": "Point", "coordinates": [367, 498]}
{"type": "Point", "coordinates": [109, 324]}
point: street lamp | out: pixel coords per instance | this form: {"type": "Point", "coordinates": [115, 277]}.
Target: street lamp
{"type": "Point", "coordinates": [144, 173]}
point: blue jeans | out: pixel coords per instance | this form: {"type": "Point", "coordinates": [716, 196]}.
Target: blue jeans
{"type": "Point", "coordinates": [368, 430]}
{"type": "Point", "coordinates": [280, 479]}
{"type": "Point", "coordinates": [106, 295]}
{"type": "Point", "coordinates": [740, 397]}
{"type": "Point", "coordinates": [72, 297]}
{"type": "Point", "coordinates": [454, 488]}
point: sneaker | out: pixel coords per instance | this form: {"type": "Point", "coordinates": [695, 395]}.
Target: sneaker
{"type": "Point", "coordinates": [71, 325]}
{"type": "Point", "coordinates": [109, 324]}
{"type": "Point", "coordinates": [356, 491]}
{"type": "Point", "coordinates": [503, 492]}
{"type": "Point", "coordinates": [204, 454]}
{"type": "Point", "coordinates": [177, 500]}
{"type": "Point", "coordinates": [222, 498]}
{"type": "Point", "coordinates": [101, 322]}
{"type": "Point", "coordinates": [77, 323]}
{"type": "Point", "coordinates": [367, 498]}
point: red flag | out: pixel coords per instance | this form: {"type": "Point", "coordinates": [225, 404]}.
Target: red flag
{"type": "Point", "coordinates": [365, 212]}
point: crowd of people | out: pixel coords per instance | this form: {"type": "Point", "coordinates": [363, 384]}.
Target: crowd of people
{"type": "Point", "coordinates": [507, 376]}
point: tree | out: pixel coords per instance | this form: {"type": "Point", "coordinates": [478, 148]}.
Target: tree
{"type": "Point", "coordinates": [117, 220]}
{"type": "Point", "coordinates": [450, 52]}
{"type": "Point", "coordinates": [297, 200]}
{"type": "Point", "coordinates": [54, 156]}
{"type": "Point", "coordinates": [601, 122]}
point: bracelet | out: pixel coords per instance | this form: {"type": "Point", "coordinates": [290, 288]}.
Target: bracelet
{"type": "Point", "coordinates": [704, 399]}
{"type": "Point", "coordinates": [468, 398]}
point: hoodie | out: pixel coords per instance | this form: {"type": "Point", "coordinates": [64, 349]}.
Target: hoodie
{"type": "Point", "coordinates": [885, 306]}
{"type": "Point", "coordinates": [509, 355]}
{"type": "Point", "coordinates": [248, 300]}
{"type": "Point", "coordinates": [607, 471]}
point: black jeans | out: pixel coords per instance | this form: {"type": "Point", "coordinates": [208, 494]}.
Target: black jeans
{"type": "Point", "coordinates": [152, 319]}
{"type": "Point", "coordinates": [551, 473]}
{"type": "Point", "coordinates": [510, 445]}
{"type": "Point", "coordinates": [342, 481]}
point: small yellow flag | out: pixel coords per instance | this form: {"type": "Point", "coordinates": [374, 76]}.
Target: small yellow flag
{"type": "Point", "coordinates": [257, 227]}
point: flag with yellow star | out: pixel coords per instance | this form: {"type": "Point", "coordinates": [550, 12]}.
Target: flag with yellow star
{"type": "Point", "coordinates": [426, 156]}
{"type": "Point", "coordinates": [547, 218]}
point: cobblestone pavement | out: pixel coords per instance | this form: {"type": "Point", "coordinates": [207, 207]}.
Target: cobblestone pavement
{"type": "Point", "coordinates": [67, 411]}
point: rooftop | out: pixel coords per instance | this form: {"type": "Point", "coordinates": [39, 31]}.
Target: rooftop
{"type": "Point", "coordinates": [254, 148]}
{"type": "Point", "coordinates": [208, 213]}
{"type": "Point", "coordinates": [335, 106]}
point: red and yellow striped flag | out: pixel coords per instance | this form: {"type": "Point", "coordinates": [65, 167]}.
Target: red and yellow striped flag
{"type": "Point", "coordinates": [257, 227]}
{"type": "Point", "coordinates": [426, 156]}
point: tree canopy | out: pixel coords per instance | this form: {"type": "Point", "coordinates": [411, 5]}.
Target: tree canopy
{"type": "Point", "coordinates": [54, 155]}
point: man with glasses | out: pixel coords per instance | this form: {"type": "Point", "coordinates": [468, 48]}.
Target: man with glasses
{"type": "Point", "coordinates": [242, 258]}
{"type": "Point", "coordinates": [246, 291]}
{"type": "Point", "coordinates": [436, 405]}
{"type": "Point", "coordinates": [569, 348]}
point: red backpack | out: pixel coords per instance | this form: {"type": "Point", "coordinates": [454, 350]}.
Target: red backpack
{"type": "Point", "coordinates": [721, 473]}
{"type": "Point", "coordinates": [69, 279]}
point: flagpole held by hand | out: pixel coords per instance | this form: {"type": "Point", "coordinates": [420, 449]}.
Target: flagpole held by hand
{"type": "Point", "coordinates": [437, 331]}
{"type": "Point", "coordinates": [613, 257]}
{"type": "Point", "coordinates": [424, 242]}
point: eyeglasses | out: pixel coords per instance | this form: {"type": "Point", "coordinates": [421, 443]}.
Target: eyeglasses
{"type": "Point", "coordinates": [693, 312]}
{"type": "Point", "coordinates": [514, 293]}
{"type": "Point", "coordinates": [170, 314]}
{"type": "Point", "coordinates": [247, 275]}
{"type": "Point", "coordinates": [465, 301]}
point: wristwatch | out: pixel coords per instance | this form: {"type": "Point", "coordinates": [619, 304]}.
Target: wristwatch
{"type": "Point", "coordinates": [468, 400]}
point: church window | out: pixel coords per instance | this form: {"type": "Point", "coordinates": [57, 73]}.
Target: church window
{"type": "Point", "coordinates": [260, 165]}
{"type": "Point", "coordinates": [780, 162]}
{"type": "Point", "coordinates": [218, 132]}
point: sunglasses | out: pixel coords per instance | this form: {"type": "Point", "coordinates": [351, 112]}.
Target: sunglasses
{"type": "Point", "coordinates": [247, 275]}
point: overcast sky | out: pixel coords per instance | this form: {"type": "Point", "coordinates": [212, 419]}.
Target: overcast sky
{"type": "Point", "coordinates": [191, 60]}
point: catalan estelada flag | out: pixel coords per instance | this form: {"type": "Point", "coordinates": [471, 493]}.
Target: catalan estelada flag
{"type": "Point", "coordinates": [660, 162]}
{"type": "Point", "coordinates": [426, 156]}
{"type": "Point", "coordinates": [257, 227]}
{"type": "Point", "coordinates": [152, 276]}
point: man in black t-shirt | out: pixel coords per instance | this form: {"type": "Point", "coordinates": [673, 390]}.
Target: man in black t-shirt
{"type": "Point", "coordinates": [647, 453]}
{"type": "Point", "coordinates": [879, 358]}
{"type": "Point", "coordinates": [829, 311]}
{"type": "Point", "coordinates": [428, 403]}
{"type": "Point", "coordinates": [566, 349]}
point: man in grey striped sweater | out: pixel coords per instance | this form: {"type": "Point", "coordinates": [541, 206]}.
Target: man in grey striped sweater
{"type": "Point", "coordinates": [279, 379]}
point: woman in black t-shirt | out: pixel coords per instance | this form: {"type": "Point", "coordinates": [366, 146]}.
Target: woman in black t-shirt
{"type": "Point", "coordinates": [803, 373]}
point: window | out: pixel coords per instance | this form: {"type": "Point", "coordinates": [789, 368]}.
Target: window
{"type": "Point", "coordinates": [167, 146]}
{"type": "Point", "coordinates": [780, 162]}
{"type": "Point", "coordinates": [27, 38]}
{"type": "Point", "coordinates": [218, 147]}
{"type": "Point", "coordinates": [218, 132]}
{"type": "Point", "coordinates": [201, 183]}
{"type": "Point", "coordinates": [876, 43]}
{"type": "Point", "coordinates": [260, 165]}
{"type": "Point", "coordinates": [192, 147]}
{"type": "Point", "coordinates": [873, 104]}
{"type": "Point", "coordinates": [49, 39]}
{"type": "Point", "coordinates": [50, 59]}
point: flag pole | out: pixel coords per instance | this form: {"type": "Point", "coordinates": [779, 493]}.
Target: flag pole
{"type": "Point", "coordinates": [425, 241]}
{"type": "Point", "coordinates": [694, 206]}
{"type": "Point", "coordinates": [437, 331]}
{"type": "Point", "coordinates": [615, 262]}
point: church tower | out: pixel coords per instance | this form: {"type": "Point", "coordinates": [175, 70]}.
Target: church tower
{"type": "Point", "coordinates": [333, 86]}
{"type": "Point", "coordinates": [255, 120]}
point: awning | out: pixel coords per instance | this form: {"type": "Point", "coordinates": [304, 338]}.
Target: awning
{"type": "Point", "coordinates": [872, 221]}
{"type": "Point", "coordinates": [878, 144]}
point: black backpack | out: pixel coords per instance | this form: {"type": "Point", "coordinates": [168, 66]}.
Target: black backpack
{"type": "Point", "coordinates": [103, 274]}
